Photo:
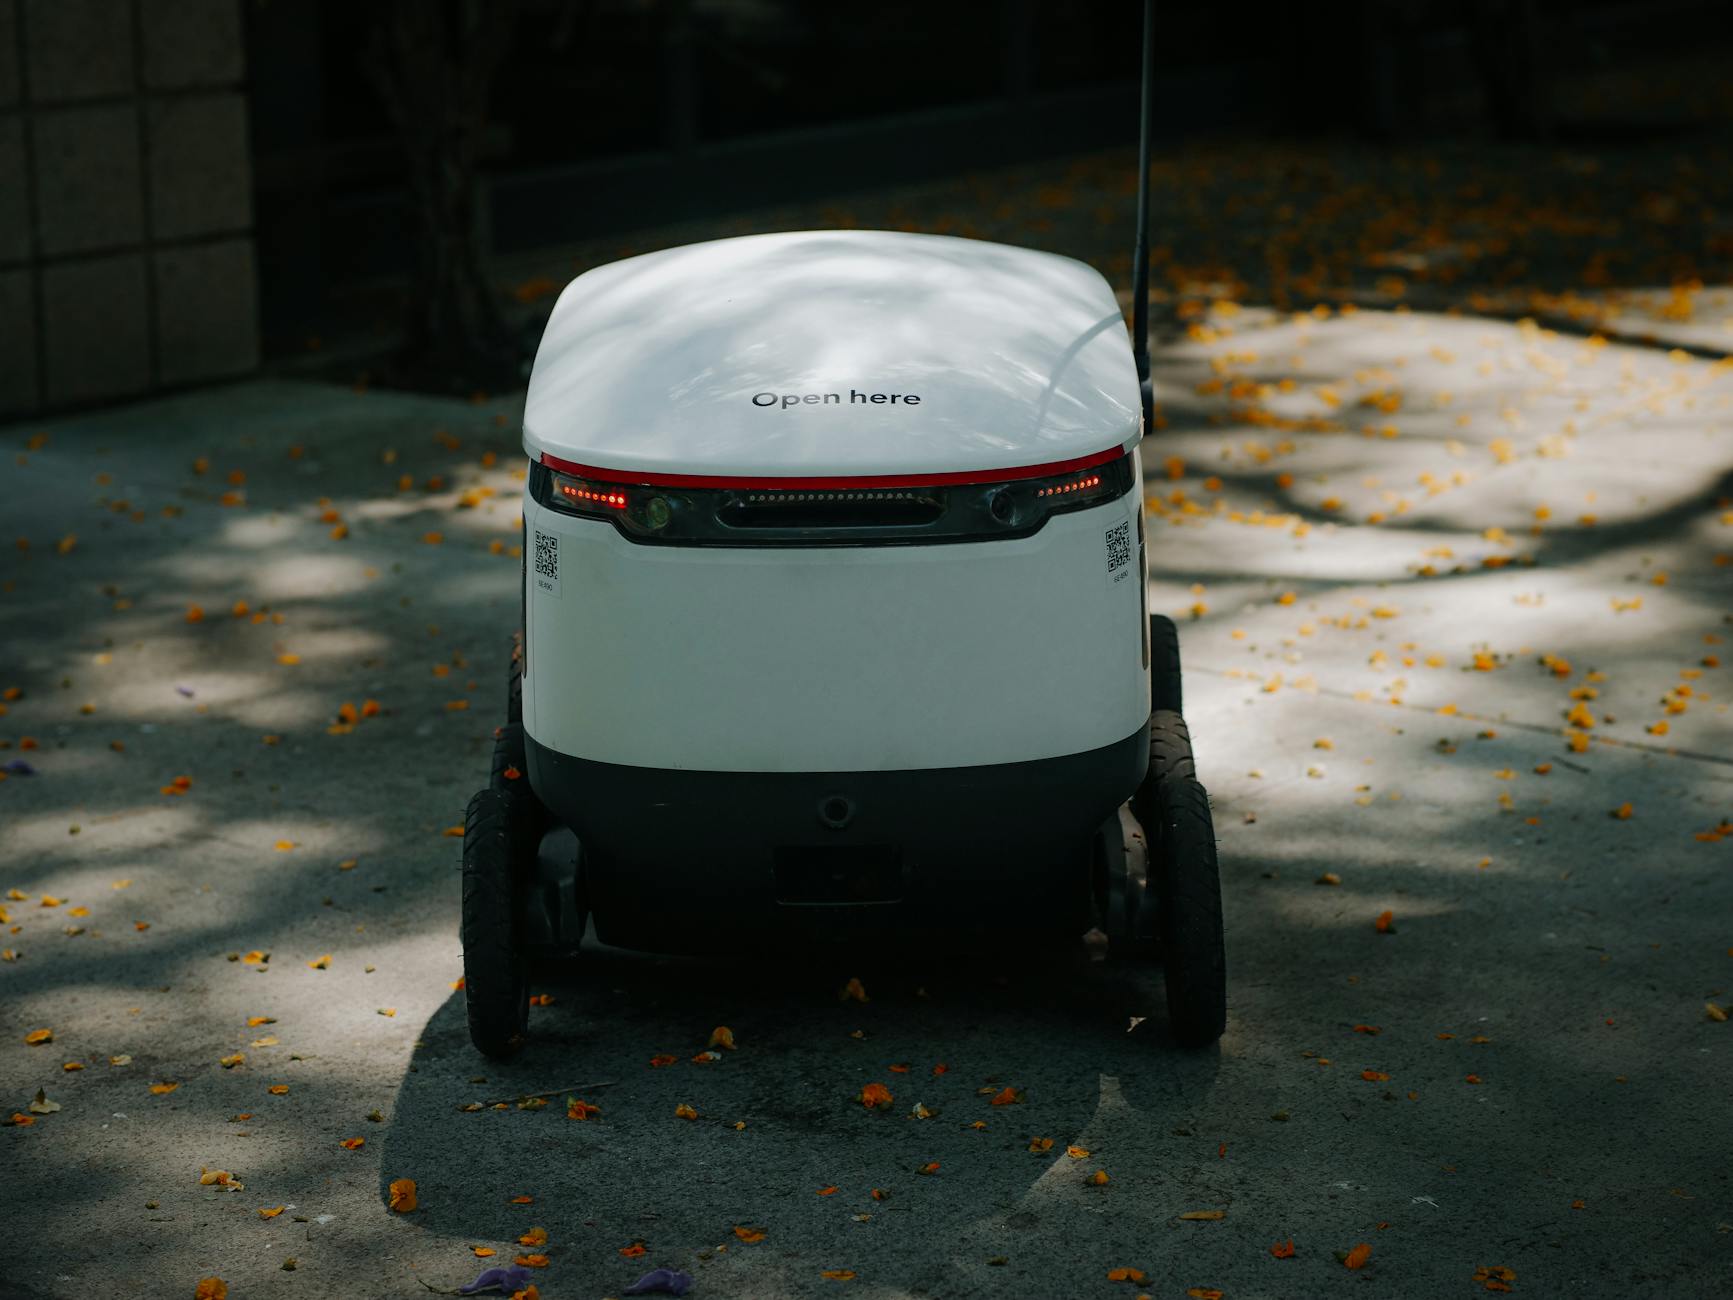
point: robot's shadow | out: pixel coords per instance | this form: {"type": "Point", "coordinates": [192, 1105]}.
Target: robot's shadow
{"type": "Point", "coordinates": [1052, 1038]}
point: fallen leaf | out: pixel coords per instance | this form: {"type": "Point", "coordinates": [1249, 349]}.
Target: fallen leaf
{"type": "Point", "coordinates": [636, 1249]}
{"type": "Point", "coordinates": [211, 1288]}
{"type": "Point", "coordinates": [931, 1167]}
{"type": "Point", "coordinates": [482, 1252]}
{"type": "Point", "coordinates": [751, 1236]}
{"type": "Point", "coordinates": [1384, 923]}
{"type": "Point", "coordinates": [1374, 1076]}
{"type": "Point", "coordinates": [278, 1089]}
{"type": "Point", "coordinates": [230, 1062]}
{"type": "Point", "coordinates": [37, 1037]}
{"type": "Point", "coordinates": [721, 1036]}
{"type": "Point", "coordinates": [163, 1089]}
{"type": "Point", "coordinates": [683, 1111]}
{"type": "Point", "coordinates": [657, 1062]}
{"type": "Point", "coordinates": [1098, 1178]}
{"type": "Point", "coordinates": [838, 1274]}
{"type": "Point", "coordinates": [1715, 1012]}
{"type": "Point", "coordinates": [534, 1237]}
{"type": "Point", "coordinates": [1039, 1145]}
{"type": "Point", "coordinates": [875, 1096]}
{"type": "Point", "coordinates": [1200, 1216]}
{"type": "Point", "coordinates": [1204, 1293]}
{"type": "Point", "coordinates": [402, 1193]}
{"type": "Point", "coordinates": [1125, 1275]}
{"type": "Point", "coordinates": [1283, 1249]}
{"type": "Point", "coordinates": [352, 1144]}
{"type": "Point", "coordinates": [1007, 1097]}
{"type": "Point", "coordinates": [1077, 1153]}
{"type": "Point", "coordinates": [320, 963]}
{"type": "Point", "coordinates": [853, 989]}
{"type": "Point", "coordinates": [40, 1105]}
{"type": "Point", "coordinates": [272, 1212]}
{"type": "Point", "coordinates": [1357, 1257]}
{"type": "Point", "coordinates": [532, 1261]}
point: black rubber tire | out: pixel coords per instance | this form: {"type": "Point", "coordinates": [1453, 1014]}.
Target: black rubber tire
{"type": "Point", "coordinates": [1169, 760]}
{"type": "Point", "coordinates": [1165, 692]}
{"type": "Point", "coordinates": [495, 967]}
{"type": "Point", "coordinates": [1169, 747]}
{"type": "Point", "coordinates": [1187, 882]}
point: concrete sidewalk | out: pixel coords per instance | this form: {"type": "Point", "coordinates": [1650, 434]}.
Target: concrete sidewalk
{"type": "Point", "coordinates": [1406, 550]}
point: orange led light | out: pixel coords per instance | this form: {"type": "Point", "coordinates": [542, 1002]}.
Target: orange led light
{"type": "Point", "coordinates": [575, 493]}
{"type": "Point", "coordinates": [1094, 480]}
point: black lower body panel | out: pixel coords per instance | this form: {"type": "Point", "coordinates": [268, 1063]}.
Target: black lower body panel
{"type": "Point", "coordinates": [679, 860]}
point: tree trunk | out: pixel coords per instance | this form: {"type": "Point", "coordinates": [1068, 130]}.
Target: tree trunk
{"type": "Point", "coordinates": [433, 63]}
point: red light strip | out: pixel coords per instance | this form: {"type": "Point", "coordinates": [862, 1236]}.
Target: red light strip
{"type": "Point", "coordinates": [832, 481]}
{"type": "Point", "coordinates": [1094, 480]}
{"type": "Point", "coordinates": [615, 499]}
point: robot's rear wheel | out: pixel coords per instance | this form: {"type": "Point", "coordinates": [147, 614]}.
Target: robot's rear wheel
{"type": "Point", "coordinates": [496, 975]}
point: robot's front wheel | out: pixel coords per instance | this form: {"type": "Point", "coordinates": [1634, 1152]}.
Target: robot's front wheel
{"type": "Point", "coordinates": [496, 971]}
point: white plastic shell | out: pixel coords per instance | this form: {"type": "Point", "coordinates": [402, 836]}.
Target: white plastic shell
{"type": "Point", "coordinates": [798, 355]}
{"type": "Point", "coordinates": [870, 658]}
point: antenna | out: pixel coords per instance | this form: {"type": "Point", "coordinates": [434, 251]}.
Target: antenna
{"type": "Point", "coordinates": [1140, 255]}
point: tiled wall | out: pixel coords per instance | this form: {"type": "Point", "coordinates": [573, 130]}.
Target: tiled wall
{"type": "Point", "coordinates": [126, 248]}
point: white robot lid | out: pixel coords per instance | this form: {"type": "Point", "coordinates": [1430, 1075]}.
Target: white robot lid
{"type": "Point", "coordinates": [836, 353]}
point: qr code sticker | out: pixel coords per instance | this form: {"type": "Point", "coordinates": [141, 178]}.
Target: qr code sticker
{"type": "Point", "coordinates": [1118, 551]}
{"type": "Point", "coordinates": [548, 562]}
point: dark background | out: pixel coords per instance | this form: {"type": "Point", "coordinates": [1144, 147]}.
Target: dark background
{"type": "Point", "coordinates": [619, 115]}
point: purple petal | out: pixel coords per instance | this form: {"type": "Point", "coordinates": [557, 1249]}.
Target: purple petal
{"type": "Point", "coordinates": [185, 690]}
{"type": "Point", "coordinates": [512, 1277]}
{"type": "Point", "coordinates": [18, 767]}
{"type": "Point", "coordinates": [669, 1280]}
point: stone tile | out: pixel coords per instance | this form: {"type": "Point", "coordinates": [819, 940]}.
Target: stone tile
{"type": "Point", "coordinates": [190, 43]}
{"type": "Point", "coordinates": [87, 178]}
{"type": "Point", "coordinates": [200, 175]}
{"type": "Point", "coordinates": [207, 311]}
{"type": "Point", "coordinates": [96, 328]}
{"type": "Point", "coordinates": [14, 191]}
{"type": "Point", "coordinates": [10, 90]}
{"type": "Point", "coordinates": [18, 391]}
{"type": "Point", "coordinates": [78, 49]}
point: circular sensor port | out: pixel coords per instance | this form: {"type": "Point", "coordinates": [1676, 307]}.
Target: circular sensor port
{"type": "Point", "coordinates": [836, 811]}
